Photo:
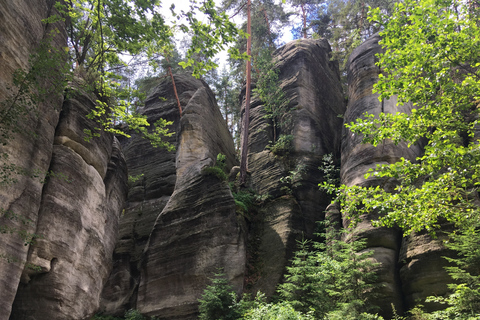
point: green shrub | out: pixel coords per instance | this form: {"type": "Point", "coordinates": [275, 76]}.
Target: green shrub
{"type": "Point", "coordinates": [244, 201]}
{"type": "Point", "coordinates": [330, 279]}
{"type": "Point", "coordinates": [133, 314]}
{"type": "Point", "coordinates": [283, 146]}
{"type": "Point", "coordinates": [463, 302]}
{"type": "Point", "coordinates": [278, 311]}
{"type": "Point", "coordinates": [215, 171]}
{"type": "Point", "coordinates": [218, 301]}
{"type": "Point", "coordinates": [219, 169]}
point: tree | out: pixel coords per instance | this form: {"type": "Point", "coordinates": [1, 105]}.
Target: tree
{"type": "Point", "coordinates": [102, 30]}
{"type": "Point", "coordinates": [218, 301]}
{"type": "Point", "coordinates": [463, 300]}
{"type": "Point", "coordinates": [306, 6]}
{"type": "Point", "coordinates": [431, 59]}
{"type": "Point", "coordinates": [99, 30]}
{"type": "Point", "coordinates": [333, 278]}
{"type": "Point", "coordinates": [345, 24]}
{"type": "Point", "coordinates": [227, 89]}
{"type": "Point", "coordinates": [277, 311]}
{"type": "Point", "coordinates": [275, 103]}
{"type": "Point", "coordinates": [246, 121]}
{"type": "Point", "coordinates": [259, 27]}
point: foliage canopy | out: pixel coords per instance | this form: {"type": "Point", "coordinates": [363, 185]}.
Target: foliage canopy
{"type": "Point", "coordinates": [431, 59]}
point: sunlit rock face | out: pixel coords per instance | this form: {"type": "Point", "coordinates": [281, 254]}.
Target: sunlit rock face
{"type": "Point", "coordinates": [411, 268]}
{"type": "Point", "coordinates": [77, 221]}
{"type": "Point", "coordinates": [180, 224]}
{"type": "Point", "coordinates": [312, 87]}
{"type": "Point", "coordinates": [29, 149]}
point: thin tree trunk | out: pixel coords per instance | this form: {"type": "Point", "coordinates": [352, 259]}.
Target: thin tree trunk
{"type": "Point", "coordinates": [225, 104]}
{"type": "Point", "coordinates": [174, 87]}
{"type": "Point", "coordinates": [304, 15]}
{"type": "Point", "coordinates": [243, 162]}
{"type": "Point", "coordinates": [268, 27]}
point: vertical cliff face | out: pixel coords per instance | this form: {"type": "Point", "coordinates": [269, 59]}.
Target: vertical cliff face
{"type": "Point", "coordinates": [311, 83]}
{"type": "Point", "coordinates": [65, 191]}
{"type": "Point", "coordinates": [152, 181]}
{"type": "Point", "coordinates": [180, 224]}
{"type": "Point", "coordinates": [29, 148]}
{"type": "Point", "coordinates": [77, 221]}
{"type": "Point", "coordinates": [197, 232]}
{"type": "Point", "coordinates": [411, 268]}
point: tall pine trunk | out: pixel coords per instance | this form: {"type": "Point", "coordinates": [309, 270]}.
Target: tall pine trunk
{"type": "Point", "coordinates": [304, 18]}
{"type": "Point", "coordinates": [246, 122]}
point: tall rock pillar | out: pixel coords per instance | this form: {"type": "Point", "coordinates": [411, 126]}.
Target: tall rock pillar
{"type": "Point", "coordinates": [412, 267]}
{"type": "Point", "coordinates": [289, 179]}
{"type": "Point", "coordinates": [27, 152]}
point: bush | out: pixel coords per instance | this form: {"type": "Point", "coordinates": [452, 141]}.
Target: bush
{"type": "Point", "coordinates": [244, 201]}
{"type": "Point", "coordinates": [218, 301]}
{"type": "Point", "coordinates": [133, 314]}
{"type": "Point", "coordinates": [279, 311]}
{"type": "Point", "coordinates": [219, 169]}
{"type": "Point", "coordinates": [330, 278]}
{"type": "Point", "coordinates": [463, 302]}
{"type": "Point", "coordinates": [283, 146]}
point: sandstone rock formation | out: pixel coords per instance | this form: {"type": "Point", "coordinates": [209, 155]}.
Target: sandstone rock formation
{"type": "Point", "coordinates": [401, 260]}
{"type": "Point", "coordinates": [75, 212]}
{"type": "Point", "coordinates": [311, 83]}
{"type": "Point", "coordinates": [179, 224]}
{"type": "Point", "coordinates": [152, 181]}
{"type": "Point", "coordinates": [77, 221]}
{"type": "Point", "coordinates": [29, 147]}
{"type": "Point", "coordinates": [187, 216]}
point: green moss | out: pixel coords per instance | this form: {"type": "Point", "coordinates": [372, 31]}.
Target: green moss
{"type": "Point", "coordinates": [219, 169]}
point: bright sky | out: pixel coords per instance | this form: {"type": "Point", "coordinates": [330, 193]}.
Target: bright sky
{"type": "Point", "coordinates": [185, 5]}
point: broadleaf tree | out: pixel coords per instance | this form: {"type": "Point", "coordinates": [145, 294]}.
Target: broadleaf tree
{"type": "Point", "coordinates": [431, 59]}
{"type": "Point", "coordinates": [101, 31]}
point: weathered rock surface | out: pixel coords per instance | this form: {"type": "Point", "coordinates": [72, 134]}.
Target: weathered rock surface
{"type": "Point", "coordinates": [357, 158]}
{"type": "Point", "coordinates": [153, 170]}
{"type": "Point", "coordinates": [312, 86]}
{"type": "Point", "coordinates": [422, 270]}
{"type": "Point", "coordinates": [399, 275]}
{"type": "Point", "coordinates": [78, 221]}
{"type": "Point", "coordinates": [180, 224]}
{"type": "Point", "coordinates": [30, 148]}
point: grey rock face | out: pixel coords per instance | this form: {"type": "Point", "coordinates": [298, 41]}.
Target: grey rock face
{"type": "Point", "coordinates": [180, 224]}
{"type": "Point", "coordinates": [311, 83]}
{"type": "Point", "coordinates": [154, 169]}
{"type": "Point", "coordinates": [357, 158]}
{"type": "Point", "coordinates": [28, 150]}
{"type": "Point", "coordinates": [78, 222]}
{"type": "Point", "coordinates": [401, 260]}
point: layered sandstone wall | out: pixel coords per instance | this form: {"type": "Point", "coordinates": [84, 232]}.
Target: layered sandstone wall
{"type": "Point", "coordinates": [180, 225]}
{"type": "Point", "coordinates": [29, 147]}
{"type": "Point", "coordinates": [311, 83]}
{"type": "Point", "coordinates": [412, 267]}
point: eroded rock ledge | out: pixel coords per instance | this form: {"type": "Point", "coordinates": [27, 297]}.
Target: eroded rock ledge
{"type": "Point", "coordinates": [180, 225]}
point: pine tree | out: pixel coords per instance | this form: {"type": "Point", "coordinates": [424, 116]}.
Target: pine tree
{"type": "Point", "coordinates": [306, 7]}
{"type": "Point", "coordinates": [218, 300]}
{"type": "Point", "coordinates": [262, 16]}
{"type": "Point", "coordinates": [330, 277]}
